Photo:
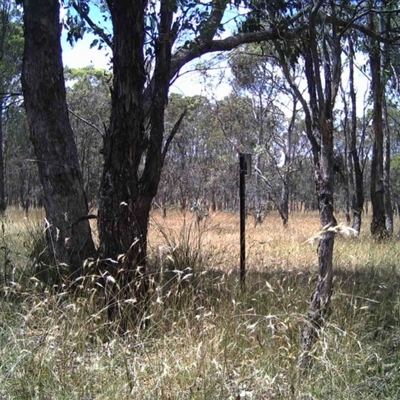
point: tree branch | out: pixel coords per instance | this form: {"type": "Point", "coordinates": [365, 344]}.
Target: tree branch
{"type": "Point", "coordinates": [173, 132]}
{"type": "Point", "coordinates": [361, 28]}
{"type": "Point", "coordinates": [10, 94]}
{"type": "Point", "coordinates": [96, 29]}
{"type": "Point", "coordinates": [96, 128]}
{"type": "Point", "coordinates": [193, 51]}
{"type": "Point", "coordinates": [211, 27]}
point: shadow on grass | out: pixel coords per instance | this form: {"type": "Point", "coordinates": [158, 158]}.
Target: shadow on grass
{"type": "Point", "coordinates": [252, 335]}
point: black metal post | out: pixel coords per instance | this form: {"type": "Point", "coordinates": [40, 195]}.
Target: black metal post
{"type": "Point", "coordinates": [242, 198]}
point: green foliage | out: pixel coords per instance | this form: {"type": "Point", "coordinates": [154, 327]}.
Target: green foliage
{"type": "Point", "coordinates": [254, 68]}
{"type": "Point", "coordinates": [395, 163]}
{"type": "Point", "coordinates": [11, 47]}
{"type": "Point", "coordinates": [94, 76]}
{"type": "Point", "coordinates": [89, 101]}
{"type": "Point", "coordinates": [395, 178]}
{"type": "Point", "coordinates": [266, 14]}
{"type": "Point", "coordinates": [191, 19]}
{"type": "Point", "coordinates": [80, 20]}
{"type": "Point", "coordinates": [21, 177]}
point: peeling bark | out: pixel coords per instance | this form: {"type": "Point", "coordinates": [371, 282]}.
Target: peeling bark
{"type": "Point", "coordinates": [322, 100]}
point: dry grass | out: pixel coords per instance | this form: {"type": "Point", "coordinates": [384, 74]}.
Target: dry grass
{"type": "Point", "coordinates": [206, 339]}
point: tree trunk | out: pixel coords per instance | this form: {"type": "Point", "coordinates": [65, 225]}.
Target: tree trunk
{"type": "Point", "coordinates": [386, 176]}
{"type": "Point", "coordinates": [285, 194]}
{"type": "Point", "coordinates": [3, 204]}
{"type": "Point", "coordinates": [386, 27]}
{"type": "Point", "coordinates": [322, 100]}
{"type": "Point", "coordinates": [348, 180]}
{"type": "Point", "coordinates": [321, 298]}
{"type": "Point", "coordinates": [5, 27]}
{"type": "Point", "coordinates": [68, 230]}
{"type": "Point", "coordinates": [350, 169]}
{"type": "Point", "coordinates": [378, 224]}
{"type": "Point", "coordinates": [123, 208]}
{"type": "Point", "coordinates": [284, 204]}
{"type": "Point", "coordinates": [358, 194]}
{"type": "Point", "coordinates": [319, 129]}
{"type": "Point", "coordinates": [133, 153]}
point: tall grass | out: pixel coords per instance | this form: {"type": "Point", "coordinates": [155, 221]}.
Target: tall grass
{"type": "Point", "coordinates": [205, 338]}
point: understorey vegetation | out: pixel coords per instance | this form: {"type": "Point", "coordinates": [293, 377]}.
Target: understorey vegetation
{"type": "Point", "coordinates": [201, 336]}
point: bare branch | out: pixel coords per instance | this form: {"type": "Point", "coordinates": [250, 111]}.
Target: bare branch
{"type": "Point", "coordinates": [187, 54]}
{"type": "Point", "coordinates": [173, 132]}
{"type": "Point", "coordinates": [96, 128]}
{"type": "Point", "coordinates": [361, 28]}
{"type": "Point", "coordinates": [205, 44]}
{"type": "Point", "coordinates": [10, 94]}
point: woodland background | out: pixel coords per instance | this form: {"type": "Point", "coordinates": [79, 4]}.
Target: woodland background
{"type": "Point", "coordinates": [261, 115]}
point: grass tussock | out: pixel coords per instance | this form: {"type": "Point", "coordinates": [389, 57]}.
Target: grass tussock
{"type": "Point", "coordinates": [204, 337]}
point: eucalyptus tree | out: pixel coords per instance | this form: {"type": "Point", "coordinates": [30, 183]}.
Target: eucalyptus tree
{"type": "Point", "coordinates": [392, 129]}
{"type": "Point", "coordinates": [257, 75]}
{"type": "Point", "coordinates": [151, 43]}
{"type": "Point", "coordinates": [20, 172]}
{"type": "Point", "coordinates": [88, 97]}
{"type": "Point", "coordinates": [188, 167]}
{"type": "Point", "coordinates": [388, 28]}
{"type": "Point", "coordinates": [320, 54]}
{"type": "Point", "coordinates": [202, 161]}
{"type": "Point", "coordinates": [163, 36]}
{"type": "Point", "coordinates": [378, 224]}
{"type": "Point", "coordinates": [320, 51]}
{"type": "Point", "coordinates": [237, 128]}
{"type": "Point", "coordinates": [395, 183]}
{"type": "Point", "coordinates": [322, 61]}
{"type": "Point", "coordinates": [173, 188]}
{"type": "Point", "coordinates": [381, 43]}
{"type": "Point", "coordinates": [68, 230]}
{"type": "Point", "coordinates": [355, 164]}
{"type": "Point", "coordinates": [11, 47]}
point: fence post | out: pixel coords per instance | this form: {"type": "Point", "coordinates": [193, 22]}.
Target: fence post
{"type": "Point", "coordinates": [244, 169]}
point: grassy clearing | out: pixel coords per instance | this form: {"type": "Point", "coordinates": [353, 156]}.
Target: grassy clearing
{"type": "Point", "coordinates": [206, 339]}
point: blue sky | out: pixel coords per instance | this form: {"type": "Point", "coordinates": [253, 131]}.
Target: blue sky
{"type": "Point", "coordinates": [190, 83]}
{"type": "Point", "coordinates": [215, 86]}
{"type": "Point", "coordinates": [81, 55]}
